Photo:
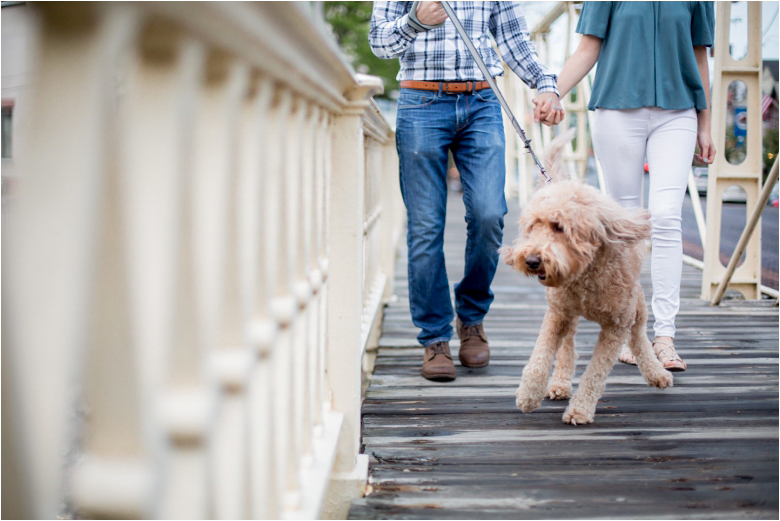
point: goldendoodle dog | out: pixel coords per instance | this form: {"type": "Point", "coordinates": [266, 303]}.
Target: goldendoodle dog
{"type": "Point", "coordinates": [587, 250]}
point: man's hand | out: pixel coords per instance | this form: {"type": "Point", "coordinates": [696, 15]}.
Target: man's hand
{"type": "Point", "coordinates": [548, 109]}
{"type": "Point", "coordinates": [431, 13]}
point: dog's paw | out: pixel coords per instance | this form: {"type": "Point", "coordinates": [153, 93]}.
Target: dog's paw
{"type": "Point", "coordinates": [577, 415]}
{"type": "Point", "coordinates": [661, 379]}
{"type": "Point", "coordinates": [525, 402]}
{"type": "Point", "coordinates": [559, 391]}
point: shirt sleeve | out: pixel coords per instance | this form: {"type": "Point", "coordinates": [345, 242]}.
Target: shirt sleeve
{"type": "Point", "coordinates": [508, 27]}
{"type": "Point", "coordinates": [594, 19]}
{"type": "Point", "coordinates": [703, 24]}
{"type": "Point", "coordinates": [390, 32]}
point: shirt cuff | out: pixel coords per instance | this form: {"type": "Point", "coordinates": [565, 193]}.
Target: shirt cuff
{"type": "Point", "coordinates": [547, 84]}
{"type": "Point", "coordinates": [407, 30]}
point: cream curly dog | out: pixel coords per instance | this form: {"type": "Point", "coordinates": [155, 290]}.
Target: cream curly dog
{"type": "Point", "coordinates": [587, 250]}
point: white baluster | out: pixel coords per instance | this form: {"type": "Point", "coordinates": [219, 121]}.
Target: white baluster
{"type": "Point", "coordinates": [313, 272]}
{"type": "Point", "coordinates": [392, 212]}
{"type": "Point", "coordinates": [257, 140]}
{"type": "Point", "coordinates": [54, 238]}
{"type": "Point", "coordinates": [190, 405]}
{"type": "Point", "coordinates": [306, 292]}
{"type": "Point", "coordinates": [232, 360]}
{"type": "Point", "coordinates": [345, 229]}
{"type": "Point", "coordinates": [318, 253]}
{"type": "Point", "coordinates": [327, 174]}
{"type": "Point", "coordinates": [114, 478]}
{"type": "Point", "coordinates": [283, 306]}
{"type": "Point", "coordinates": [298, 294]}
{"type": "Point", "coordinates": [156, 114]}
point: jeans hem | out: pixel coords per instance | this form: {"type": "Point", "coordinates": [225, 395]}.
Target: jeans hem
{"type": "Point", "coordinates": [429, 342]}
{"type": "Point", "coordinates": [469, 324]}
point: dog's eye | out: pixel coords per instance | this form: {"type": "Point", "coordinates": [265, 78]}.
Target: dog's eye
{"type": "Point", "coordinates": [556, 227]}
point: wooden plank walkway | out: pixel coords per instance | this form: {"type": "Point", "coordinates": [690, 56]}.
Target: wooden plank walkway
{"type": "Point", "coordinates": [706, 448]}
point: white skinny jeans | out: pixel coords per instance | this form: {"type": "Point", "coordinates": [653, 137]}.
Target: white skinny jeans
{"type": "Point", "coordinates": [621, 139]}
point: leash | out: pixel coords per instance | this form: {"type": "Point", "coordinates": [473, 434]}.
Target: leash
{"type": "Point", "coordinates": [488, 77]}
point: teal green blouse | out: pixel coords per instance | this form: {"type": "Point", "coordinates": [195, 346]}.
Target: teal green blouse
{"type": "Point", "coordinates": [646, 57]}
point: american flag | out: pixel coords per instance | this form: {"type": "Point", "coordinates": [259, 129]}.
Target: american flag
{"type": "Point", "coordinates": [766, 102]}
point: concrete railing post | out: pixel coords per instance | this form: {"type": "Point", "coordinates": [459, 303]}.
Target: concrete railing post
{"type": "Point", "coordinates": [345, 300]}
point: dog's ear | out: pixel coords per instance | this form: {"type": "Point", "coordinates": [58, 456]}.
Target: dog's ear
{"type": "Point", "coordinates": [508, 254]}
{"type": "Point", "coordinates": [626, 226]}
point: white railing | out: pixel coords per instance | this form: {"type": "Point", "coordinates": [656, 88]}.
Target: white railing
{"type": "Point", "coordinates": [204, 234]}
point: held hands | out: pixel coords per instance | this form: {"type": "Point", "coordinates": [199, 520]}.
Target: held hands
{"type": "Point", "coordinates": [548, 109]}
{"type": "Point", "coordinates": [431, 13]}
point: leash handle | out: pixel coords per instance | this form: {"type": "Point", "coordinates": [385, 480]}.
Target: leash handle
{"type": "Point", "coordinates": [413, 17]}
{"type": "Point", "coordinates": [489, 78]}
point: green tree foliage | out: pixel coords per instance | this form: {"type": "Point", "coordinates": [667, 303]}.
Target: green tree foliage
{"type": "Point", "coordinates": [350, 23]}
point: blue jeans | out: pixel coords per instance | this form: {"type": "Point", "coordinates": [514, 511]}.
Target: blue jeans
{"type": "Point", "coordinates": [429, 124]}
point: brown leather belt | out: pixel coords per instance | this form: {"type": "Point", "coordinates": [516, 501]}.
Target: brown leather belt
{"type": "Point", "coordinates": [446, 86]}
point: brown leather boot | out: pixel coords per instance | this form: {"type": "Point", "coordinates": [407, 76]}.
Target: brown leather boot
{"type": "Point", "coordinates": [474, 349]}
{"type": "Point", "coordinates": [437, 364]}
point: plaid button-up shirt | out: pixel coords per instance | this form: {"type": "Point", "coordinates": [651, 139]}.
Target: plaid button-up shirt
{"type": "Point", "coordinates": [441, 55]}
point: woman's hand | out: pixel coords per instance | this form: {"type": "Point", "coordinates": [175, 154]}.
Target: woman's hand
{"type": "Point", "coordinates": [706, 147]}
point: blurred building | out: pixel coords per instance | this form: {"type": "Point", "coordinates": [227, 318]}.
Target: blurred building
{"type": "Point", "coordinates": [16, 76]}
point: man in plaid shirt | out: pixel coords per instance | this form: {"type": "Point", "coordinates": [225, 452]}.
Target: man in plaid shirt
{"type": "Point", "coordinates": [445, 105]}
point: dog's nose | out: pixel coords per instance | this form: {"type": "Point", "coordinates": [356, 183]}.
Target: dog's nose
{"type": "Point", "coordinates": [533, 261]}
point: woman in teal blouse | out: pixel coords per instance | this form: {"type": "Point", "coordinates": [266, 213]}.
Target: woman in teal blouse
{"type": "Point", "coordinates": [650, 99]}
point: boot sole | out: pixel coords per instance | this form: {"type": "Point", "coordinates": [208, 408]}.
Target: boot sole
{"type": "Point", "coordinates": [439, 377]}
{"type": "Point", "coordinates": [474, 366]}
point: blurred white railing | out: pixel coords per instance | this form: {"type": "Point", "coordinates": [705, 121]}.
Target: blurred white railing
{"type": "Point", "coordinates": [204, 233]}
{"type": "Point", "coordinates": [522, 173]}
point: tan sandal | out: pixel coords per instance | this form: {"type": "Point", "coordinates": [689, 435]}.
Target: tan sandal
{"type": "Point", "coordinates": [626, 356]}
{"type": "Point", "coordinates": [669, 357]}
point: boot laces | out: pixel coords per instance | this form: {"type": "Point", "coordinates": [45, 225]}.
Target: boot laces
{"type": "Point", "coordinates": [439, 348]}
{"type": "Point", "coordinates": [469, 331]}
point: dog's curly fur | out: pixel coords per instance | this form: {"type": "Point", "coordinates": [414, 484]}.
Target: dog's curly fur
{"type": "Point", "coordinates": [587, 250]}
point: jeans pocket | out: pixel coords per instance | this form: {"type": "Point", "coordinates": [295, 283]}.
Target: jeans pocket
{"type": "Point", "coordinates": [414, 98]}
{"type": "Point", "coordinates": [486, 95]}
